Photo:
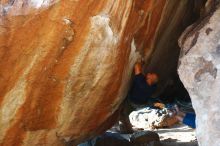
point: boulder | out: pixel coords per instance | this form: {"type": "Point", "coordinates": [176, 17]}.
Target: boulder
{"type": "Point", "coordinates": [106, 139]}
{"type": "Point", "coordinates": [149, 118]}
{"type": "Point", "coordinates": [65, 65]}
{"type": "Point", "coordinates": [199, 71]}
{"type": "Point", "coordinates": [145, 138]}
{"type": "Point", "coordinates": [112, 139]}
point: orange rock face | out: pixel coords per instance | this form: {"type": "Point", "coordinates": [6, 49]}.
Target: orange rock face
{"type": "Point", "coordinates": [65, 66]}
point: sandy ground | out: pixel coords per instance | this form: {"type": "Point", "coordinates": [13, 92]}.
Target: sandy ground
{"type": "Point", "coordinates": [179, 135]}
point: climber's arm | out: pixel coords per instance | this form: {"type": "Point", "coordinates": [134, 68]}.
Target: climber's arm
{"type": "Point", "coordinates": [137, 68]}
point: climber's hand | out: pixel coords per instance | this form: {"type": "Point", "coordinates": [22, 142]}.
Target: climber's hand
{"type": "Point", "coordinates": [137, 68]}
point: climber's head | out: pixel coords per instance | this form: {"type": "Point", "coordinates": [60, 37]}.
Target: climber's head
{"type": "Point", "coordinates": [152, 78]}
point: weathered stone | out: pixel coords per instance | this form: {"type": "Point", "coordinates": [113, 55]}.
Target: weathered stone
{"type": "Point", "coordinates": [113, 139]}
{"type": "Point", "coordinates": [148, 118]}
{"type": "Point", "coordinates": [144, 138]}
{"type": "Point", "coordinates": [65, 65]}
{"type": "Point", "coordinates": [107, 139]}
{"type": "Point", "coordinates": [199, 70]}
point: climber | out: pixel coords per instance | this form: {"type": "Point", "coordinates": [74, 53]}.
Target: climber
{"type": "Point", "coordinates": [140, 94]}
{"type": "Point", "coordinates": [143, 86]}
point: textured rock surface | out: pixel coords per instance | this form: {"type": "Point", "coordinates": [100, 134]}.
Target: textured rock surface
{"type": "Point", "coordinates": [65, 65]}
{"type": "Point", "coordinates": [112, 139]}
{"type": "Point", "coordinates": [148, 118]}
{"type": "Point", "coordinates": [144, 137]}
{"type": "Point", "coordinates": [200, 72]}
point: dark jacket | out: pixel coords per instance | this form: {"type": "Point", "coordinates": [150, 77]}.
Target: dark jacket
{"type": "Point", "coordinates": [140, 91]}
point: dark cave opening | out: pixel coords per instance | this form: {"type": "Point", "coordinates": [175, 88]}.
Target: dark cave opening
{"type": "Point", "coordinates": [175, 91]}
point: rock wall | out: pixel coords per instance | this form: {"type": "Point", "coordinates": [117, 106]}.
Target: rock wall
{"type": "Point", "coordinates": [65, 66]}
{"type": "Point", "coordinates": [165, 53]}
{"type": "Point", "coordinates": [199, 70]}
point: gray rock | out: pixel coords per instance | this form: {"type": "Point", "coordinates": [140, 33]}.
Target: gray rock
{"type": "Point", "coordinates": [112, 139]}
{"type": "Point", "coordinates": [107, 139]}
{"type": "Point", "coordinates": [199, 71]}
{"type": "Point", "coordinates": [145, 138]}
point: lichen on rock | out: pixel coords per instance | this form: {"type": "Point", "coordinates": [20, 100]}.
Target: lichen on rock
{"type": "Point", "coordinates": [199, 71]}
